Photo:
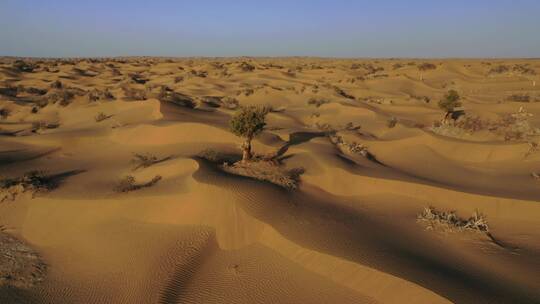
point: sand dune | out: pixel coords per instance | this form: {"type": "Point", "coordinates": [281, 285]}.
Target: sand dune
{"type": "Point", "coordinates": [372, 154]}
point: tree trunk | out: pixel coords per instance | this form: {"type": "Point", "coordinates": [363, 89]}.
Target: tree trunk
{"type": "Point", "coordinates": [448, 113]}
{"type": "Point", "coordinates": [246, 150]}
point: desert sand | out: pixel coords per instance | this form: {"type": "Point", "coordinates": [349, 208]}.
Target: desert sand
{"type": "Point", "coordinates": [367, 133]}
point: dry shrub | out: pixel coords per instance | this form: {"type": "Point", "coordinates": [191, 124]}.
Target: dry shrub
{"type": "Point", "coordinates": [216, 157]}
{"type": "Point", "coordinates": [57, 84]}
{"type": "Point", "coordinates": [44, 125]}
{"type": "Point", "coordinates": [134, 94]}
{"type": "Point", "coordinates": [351, 147]}
{"type": "Point", "coordinates": [201, 74]}
{"type": "Point", "coordinates": [23, 66]}
{"type": "Point", "coordinates": [230, 102]}
{"type": "Point", "coordinates": [96, 95]}
{"type": "Point", "coordinates": [137, 78]}
{"type": "Point", "coordinates": [146, 160]}
{"type": "Point", "coordinates": [168, 95]}
{"type": "Point", "coordinates": [4, 113]}
{"type": "Point", "coordinates": [63, 96]}
{"type": "Point", "coordinates": [426, 66]}
{"type": "Point", "coordinates": [524, 69]}
{"type": "Point", "coordinates": [317, 102]}
{"type": "Point", "coordinates": [101, 117]}
{"type": "Point", "coordinates": [519, 98]}
{"type": "Point", "coordinates": [211, 101]}
{"type": "Point", "coordinates": [392, 122]}
{"type": "Point", "coordinates": [515, 126]}
{"type": "Point", "coordinates": [246, 67]}
{"type": "Point", "coordinates": [425, 99]}
{"type": "Point", "coordinates": [500, 69]}
{"type": "Point", "coordinates": [32, 90]}
{"type": "Point", "coordinates": [266, 170]}
{"type": "Point", "coordinates": [129, 183]}
{"type": "Point", "coordinates": [370, 68]}
{"type": "Point", "coordinates": [449, 221]}
{"type": "Point", "coordinates": [342, 93]}
{"type": "Point", "coordinates": [510, 127]}
{"type": "Point", "coordinates": [33, 182]}
{"type": "Point", "coordinates": [9, 91]}
{"type": "Point", "coordinates": [534, 147]}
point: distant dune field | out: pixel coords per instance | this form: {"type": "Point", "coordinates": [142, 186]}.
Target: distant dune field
{"type": "Point", "coordinates": [131, 206]}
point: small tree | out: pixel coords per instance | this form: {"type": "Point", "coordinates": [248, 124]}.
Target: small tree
{"type": "Point", "coordinates": [247, 123]}
{"type": "Point", "coordinates": [450, 102]}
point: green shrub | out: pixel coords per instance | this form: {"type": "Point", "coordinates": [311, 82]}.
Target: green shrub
{"type": "Point", "coordinates": [450, 101]}
{"type": "Point", "coordinates": [247, 123]}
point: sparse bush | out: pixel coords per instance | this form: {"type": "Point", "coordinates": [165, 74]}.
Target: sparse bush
{"type": "Point", "coordinates": [146, 160]}
{"type": "Point", "coordinates": [392, 122]}
{"type": "Point", "coordinates": [515, 126]}
{"type": "Point", "coordinates": [63, 96]}
{"type": "Point", "coordinates": [342, 93]}
{"type": "Point", "coordinates": [499, 69]}
{"type": "Point", "coordinates": [247, 123]}
{"type": "Point", "coordinates": [202, 74]}
{"type": "Point", "coordinates": [43, 125]}
{"type": "Point", "coordinates": [102, 116]}
{"type": "Point", "coordinates": [246, 67]}
{"type": "Point", "coordinates": [449, 221]}
{"type": "Point", "coordinates": [426, 66]}
{"type": "Point", "coordinates": [351, 147]}
{"type": "Point", "coordinates": [134, 94]}
{"type": "Point", "coordinates": [137, 78]}
{"type": "Point", "coordinates": [211, 155]}
{"type": "Point", "coordinates": [471, 123]}
{"type": "Point", "coordinates": [217, 157]}
{"type": "Point", "coordinates": [212, 101]}
{"type": "Point", "coordinates": [524, 69]}
{"type": "Point", "coordinates": [534, 147]}
{"type": "Point", "coordinates": [230, 102]}
{"type": "Point", "coordinates": [425, 99]}
{"type": "Point", "coordinates": [32, 181]}
{"type": "Point", "coordinates": [34, 91]}
{"type": "Point", "coordinates": [23, 66]}
{"type": "Point", "coordinates": [9, 91]}
{"type": "Point", "coordinates": [4, 113]}
{"type": "Point", "coordinates": [519, 98]}
{"type": "Point", "coordinates": [269, 171]}
{"type": "Point", "coordinates": [56, 85]}
{"type": "Point", "coordinates": [128, 184]}
{"type": "Point", "coordinates": [168, 95]}
{"type": "Point", "coordinates": [317, 101]}
{"type": "Point", "coordinates": [96, 95]}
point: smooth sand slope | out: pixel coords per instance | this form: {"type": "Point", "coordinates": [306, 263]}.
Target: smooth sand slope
{"type": "Point", "coordinates": [348, 234]}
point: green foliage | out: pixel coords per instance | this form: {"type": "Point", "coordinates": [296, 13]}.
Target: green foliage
{"type": "Point", "coordinates": [249, 121]}
{"type": "Point", "coordinates": [450, 101]}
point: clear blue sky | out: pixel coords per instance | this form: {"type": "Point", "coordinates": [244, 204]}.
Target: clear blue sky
{"type": "Point", "coordinates": [329, 28]}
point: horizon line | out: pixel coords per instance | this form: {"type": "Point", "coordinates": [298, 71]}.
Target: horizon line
{"type": "Point", "coordinates": [271, 57]}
